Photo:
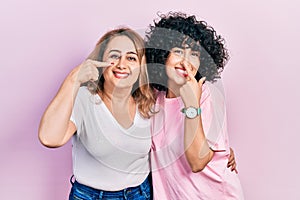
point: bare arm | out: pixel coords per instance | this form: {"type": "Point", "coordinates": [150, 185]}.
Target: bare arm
{"type": "Point", "coordinates": [55, 127]}
{"type": "Point", "coordinates": [197, 151]}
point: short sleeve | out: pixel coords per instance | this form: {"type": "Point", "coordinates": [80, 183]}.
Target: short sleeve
{"type": "Point", "coordinates": [213, 115]}
{"type": "Point", "coordinates": [77, 115]}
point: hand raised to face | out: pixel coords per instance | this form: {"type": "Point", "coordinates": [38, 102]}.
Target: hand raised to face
{"type": "Point", "coordinates": [191, 91]}
{"type": "Point", "coordinates": [87, 70]}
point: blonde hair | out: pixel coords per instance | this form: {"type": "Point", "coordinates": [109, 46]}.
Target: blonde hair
{"type": "Point", "coordinates": [142, 92]}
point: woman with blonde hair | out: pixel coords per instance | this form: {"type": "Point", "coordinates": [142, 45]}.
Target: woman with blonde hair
{"type": "Point", "coordinates": [108, 120]}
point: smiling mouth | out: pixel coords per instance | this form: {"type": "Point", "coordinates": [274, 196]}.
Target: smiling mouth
{"type": "Point", "coordinates": [120, 75]}
{"type": "Point", "coordinates": [181, 71]}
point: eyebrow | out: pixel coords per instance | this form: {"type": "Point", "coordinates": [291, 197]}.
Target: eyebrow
{"type": "Point", "coordinates": [129, 52]}
{"type": "Point", "coordinates": [188, 47]}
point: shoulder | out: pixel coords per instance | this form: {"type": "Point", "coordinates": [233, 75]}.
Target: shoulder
{"type": "Point", "coordinates": [213, 91]}
{"type": "Point", "coordinates": [206, 93]}
{"type": "Point", "coordinates": [159, 95]}
{"type": "Point", "coordinates": [83, 93]}
{"type": "Point", "coordinates": [84, 96]}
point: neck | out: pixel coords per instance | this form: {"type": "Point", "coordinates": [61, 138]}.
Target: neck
{"type": "Point", "coordinates": [116, 94]}
{"type": "Point", "coordinates": [173, 90]}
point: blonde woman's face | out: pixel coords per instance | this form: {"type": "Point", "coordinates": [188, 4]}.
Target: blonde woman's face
{"type": "Point", "coordinates": [125, 64]}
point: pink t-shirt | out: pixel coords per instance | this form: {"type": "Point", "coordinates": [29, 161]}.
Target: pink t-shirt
{"type": "Point", "coordinates": [172, 175]}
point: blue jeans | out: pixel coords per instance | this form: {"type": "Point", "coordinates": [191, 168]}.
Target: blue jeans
{"type": "Point", "coordinates": [83, 192]}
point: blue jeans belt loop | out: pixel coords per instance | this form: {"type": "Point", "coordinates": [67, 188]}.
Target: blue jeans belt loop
{"type": "Point", "coordinates": [71, 180]}
{"type": "Point", "coordinates": [100, 194]}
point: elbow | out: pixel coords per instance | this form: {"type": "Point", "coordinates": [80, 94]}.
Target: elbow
{"type": "Point", "coordinates": [50, 137]}
{"type": "Point", "coordinates": [50, 145]}
{"type": "Point", "coordinates": [47, 142]}
{"type": "Point", "coordinates": [196, 168]}
{"type": "Point", "coordinates": [197, 164]}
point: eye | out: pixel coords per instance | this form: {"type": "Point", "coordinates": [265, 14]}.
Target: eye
{"type": "Point", "coordinates": [114, 56]}
{"type": "Point", "coordinates": [132, 58]}
{"type": "Point", "coordinates": [195, 53]}
{"type": "Point", "coordinates": [178, 51]}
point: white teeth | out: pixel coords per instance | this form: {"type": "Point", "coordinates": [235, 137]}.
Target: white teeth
{"type": "Point", "coordinates": [181, 71]}
{"type": "Point", "coordinates": [121, 75]}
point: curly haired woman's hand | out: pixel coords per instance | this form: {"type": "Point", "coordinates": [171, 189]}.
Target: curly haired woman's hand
{"type": "Point", "coordinates": [191, 91]}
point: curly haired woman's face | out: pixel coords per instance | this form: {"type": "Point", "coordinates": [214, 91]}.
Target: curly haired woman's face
{"type": "Point", "coordinates": [181, 61]}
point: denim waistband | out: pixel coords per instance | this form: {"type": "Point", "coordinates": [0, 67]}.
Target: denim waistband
{"type": "Point", "coordinates": [127, 191]}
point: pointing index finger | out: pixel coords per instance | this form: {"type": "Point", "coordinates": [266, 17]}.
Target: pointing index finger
{"type": "Point", "coordinates": [100, 64]}
{"type": "Point", "coordinates": [189, 74]}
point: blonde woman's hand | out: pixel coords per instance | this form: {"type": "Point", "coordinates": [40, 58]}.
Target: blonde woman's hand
{"type": "Point", "coordinates": [232, 162]}
{"type": "Point", "coordinates": [87, 71]}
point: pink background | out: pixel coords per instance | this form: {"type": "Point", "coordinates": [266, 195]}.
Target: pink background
{"type": "Point", "coordinates": [41, 41]}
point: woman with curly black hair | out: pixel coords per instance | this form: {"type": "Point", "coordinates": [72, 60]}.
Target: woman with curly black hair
{"type": "Point", "coordinates": [190, 147]}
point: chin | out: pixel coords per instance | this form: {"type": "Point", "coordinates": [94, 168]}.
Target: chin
{"type": "Point", "coordinates": [124, 84]}
{"type": "Point", "coordinates": [180, 81]}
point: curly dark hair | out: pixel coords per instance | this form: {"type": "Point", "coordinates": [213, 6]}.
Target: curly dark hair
{"type": "Point", "coordinates": [176, 29]}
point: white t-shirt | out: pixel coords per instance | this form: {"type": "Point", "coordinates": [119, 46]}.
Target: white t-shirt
{"type": "Point", "coordinates": [105, 155]}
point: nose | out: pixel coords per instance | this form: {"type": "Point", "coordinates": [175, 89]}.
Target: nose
{"type": "Point", "coordinates": [186, 64]}
{"type": "Point", "coordinates": [121, 62]}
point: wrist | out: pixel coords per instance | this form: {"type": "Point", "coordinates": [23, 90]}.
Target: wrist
{"type": "Point", "coordinates": [191, 101]}
{"type": "Point", "coordinates": [73, 78]}
{"type": "Point", "coordinates": [191, 112]}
